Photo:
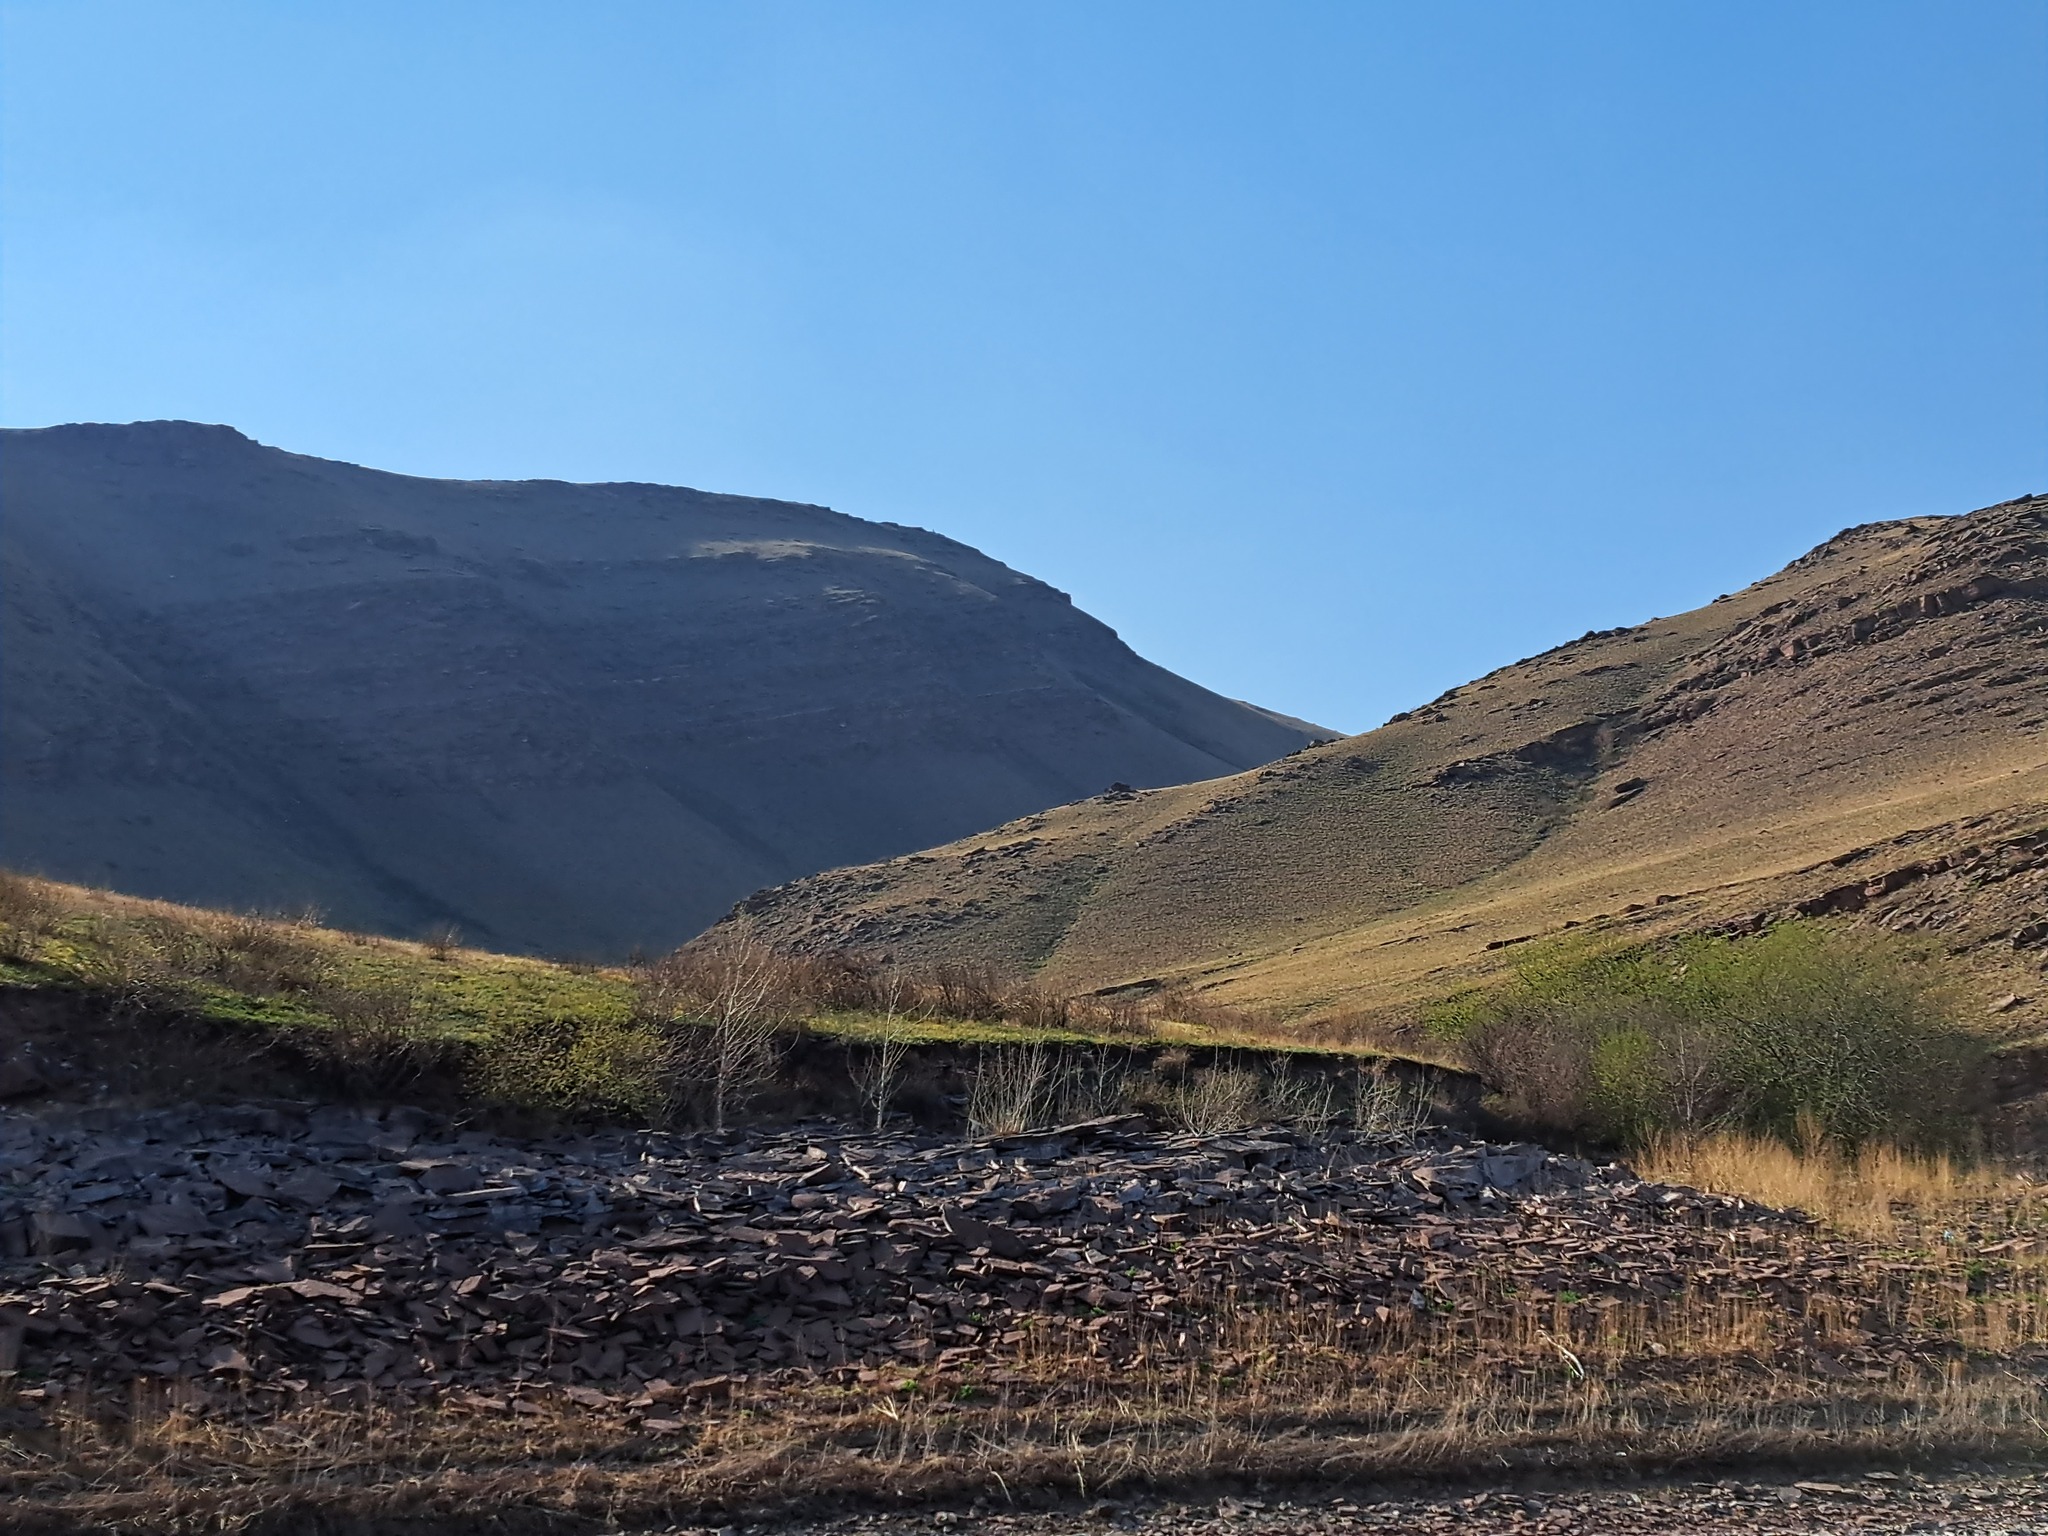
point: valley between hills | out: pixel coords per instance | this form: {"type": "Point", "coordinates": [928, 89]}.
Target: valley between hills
{"type": "Point", "coordinates": [1108, 1163]}
{"type": "Point", "coordinates": [574, 720]}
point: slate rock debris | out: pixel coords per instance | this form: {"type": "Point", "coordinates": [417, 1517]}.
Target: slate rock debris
{"type": "Point", "coordinates": [269, 1244]}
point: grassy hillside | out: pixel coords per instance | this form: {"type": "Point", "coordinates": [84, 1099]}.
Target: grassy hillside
{"type": "Point", "coordinates": [109, 995]}
{"type": "Point", "coordinates": [153, 955]}
{"type": "Point", "coordinates": [1875, 709]}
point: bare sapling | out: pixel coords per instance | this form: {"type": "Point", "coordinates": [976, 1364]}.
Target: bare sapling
{"type": "Point", "coordinates": [1387, 1109]}
{"type": "Point", "coordinates": [724, 1000]}
{"type": "Point", "coordinates": [1011, 1092]}
{"type": "Point", "coordinates": [878, 1072]}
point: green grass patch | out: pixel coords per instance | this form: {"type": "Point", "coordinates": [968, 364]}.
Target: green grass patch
{"type": "Point", "coordinates": [377, 1016]}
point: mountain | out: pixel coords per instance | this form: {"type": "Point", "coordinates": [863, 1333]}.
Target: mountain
{"type": "Point", "coordinates": [577, 718]}
{"type": "Point", "coordinates": [1858, 733]}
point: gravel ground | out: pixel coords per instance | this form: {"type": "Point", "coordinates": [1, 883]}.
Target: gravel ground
{"type": "Point", "coordinates": [1970, 1504]}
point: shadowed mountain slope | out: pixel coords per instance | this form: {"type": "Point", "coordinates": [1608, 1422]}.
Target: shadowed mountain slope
{"type": "Point", "coordinates": [570, 717]}
{"type": "Point", "coordinates": [1686, 772]}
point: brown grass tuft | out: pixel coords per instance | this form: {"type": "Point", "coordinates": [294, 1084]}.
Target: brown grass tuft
{"type": "Point", "coordinates": [1879, 1191]}
{"type": "Point", "coordinates": [1288, 1392]}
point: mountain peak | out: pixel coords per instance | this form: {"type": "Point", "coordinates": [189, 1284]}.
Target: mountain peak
{"type": "Point", "coordinates": [576, 718]}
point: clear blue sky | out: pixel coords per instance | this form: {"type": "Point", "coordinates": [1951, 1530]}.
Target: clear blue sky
{"type": "Point", "coordinates": [1333, 353]}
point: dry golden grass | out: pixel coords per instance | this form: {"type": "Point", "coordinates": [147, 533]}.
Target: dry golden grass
{"type": "Point", "coordinates": [1880, 1191]}
{"type": "Point", "coordinates": [1903, 1361]}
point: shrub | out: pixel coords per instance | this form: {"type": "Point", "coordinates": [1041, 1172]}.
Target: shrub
{"type": "Point", "coordinates": [26, 915]}
{"type": "Point", "coordinates": [374, 1044]}
{"type": "Point", "coordinates": [722, 1009]}
{"type": "Point", "coordinates": [1842, 1030]}
{"type": "Point", "coordinates": [1215, 1100]}
{"type": "Point", "coordinates": [1011, 1092]}
{"type": "Point", "coordinates": [139, 968]}
{"type": "Point", "coordinates": [1387, 1109]}
{"type": "Point", "coordinates": [264, 957]}
{"type": "Point", "coordinates": [1305, 1099]}
{"type": "Point", "coordinates": [1096, 1082]}
{"type": "Point", "coordinates": [579, 1069]}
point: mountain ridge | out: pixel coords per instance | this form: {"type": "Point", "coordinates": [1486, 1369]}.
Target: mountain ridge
{"type": "Point", "coordinates": [571, 717]}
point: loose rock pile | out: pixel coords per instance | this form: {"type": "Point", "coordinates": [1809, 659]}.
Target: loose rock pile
{"type": "Point", "coordinates": [326, 1249]}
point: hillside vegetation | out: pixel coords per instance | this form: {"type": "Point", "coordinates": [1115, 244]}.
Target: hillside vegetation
{"type": "Point", "coordinates": [1861, 734]}
{"type": "Point", "coordinates": [1807, 1031]}
{"type": "Point", "coordinates": [1801, 1034]}
{"type": "Point", "coordinates": [175, 1002]}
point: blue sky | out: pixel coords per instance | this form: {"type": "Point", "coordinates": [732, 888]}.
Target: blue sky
{"type": "Point", "coordinates": [1334, 353]}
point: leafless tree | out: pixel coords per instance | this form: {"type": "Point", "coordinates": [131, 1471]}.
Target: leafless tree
{"type": "Point", "coordinates": [878, 1072]}
{"type": "Point", "coordinates": [1011, 1090]}
{"type": "Point", "coordinates": [723, 998]}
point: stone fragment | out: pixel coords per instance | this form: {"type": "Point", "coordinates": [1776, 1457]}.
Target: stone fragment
{"type": "Point", "coordinates": [55, 1231]}
{"type": "Point", "coordinates": [224, 1359]}
{"type": "Point", "coordinates": [175, 1218]}
{"type": "Point", "coordinates": [982, 1234]}
{"type": "Point", "coordinates": [21, 1074]}
{"type": "Point", "coordinates": [251, 1183]}
{"type": "Point", "coordinates": [1511, 1171]}
{"type": "Point", "coordinates": [309, 1187]}
{"type": "Point", "coordinates": [321, 1290]}
{"type": "Point", "coordinates": [1042, 1204]}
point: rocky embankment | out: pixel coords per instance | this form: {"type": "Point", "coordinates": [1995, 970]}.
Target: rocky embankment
{"type": "Point", "coordinates": [322, 1250]}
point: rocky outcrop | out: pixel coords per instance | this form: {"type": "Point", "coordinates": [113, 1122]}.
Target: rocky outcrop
{"type": "Point", "coordinates": [1999, 553]}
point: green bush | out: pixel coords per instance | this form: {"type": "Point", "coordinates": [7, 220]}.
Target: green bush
{"type": "Point", "coordinates": [579, 1069]}
{"type": "Point", "coordinates": [1798, 1026]}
